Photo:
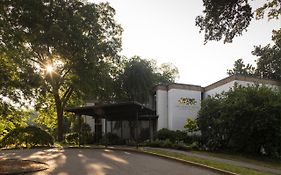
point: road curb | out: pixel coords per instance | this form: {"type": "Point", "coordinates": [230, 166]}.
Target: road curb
{"type": "Point", "coordinates": [173, 159]}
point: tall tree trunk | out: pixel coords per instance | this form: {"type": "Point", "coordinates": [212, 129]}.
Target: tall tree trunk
{"type": "Point", "coordinates": [59, 116]}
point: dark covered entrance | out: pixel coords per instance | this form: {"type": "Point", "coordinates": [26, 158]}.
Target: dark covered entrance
{"type": "Point", "coordinates": [131, 112]}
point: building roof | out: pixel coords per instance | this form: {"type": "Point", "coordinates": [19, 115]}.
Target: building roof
{"type": "Point", "coordinates": [116, 111]}
{"type": "Point", "coordinates": [179, 86]}
{"type": "Point", "coordinates": [216, 84]}
{"type": "Point", "coordinates": [241, 78]}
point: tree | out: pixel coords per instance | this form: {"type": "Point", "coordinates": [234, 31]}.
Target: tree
{"type": "Point", "coordinates": [137, 79]}
{"type": "Point", "coordinates": [138, 76]}
{"type": "Point", "coordinates": [166, 73]}
{"type": "Point", "coordinates": [226, 19]}
{"type": "Point", "coordinates": [69, 44]}
{"type": "Point", "coordinates": [241, 69]}
{"type": "Point", "coordinates": [244, 119]}
{"type": "Point", "coordinates": [269, 61]}
{"type": "Point", "coordinates": [11, 118]}
{"type": "Point", "coordinates": [16, 82]}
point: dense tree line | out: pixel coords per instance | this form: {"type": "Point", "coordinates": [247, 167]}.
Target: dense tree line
{"type": "Point", "coordinates": [56, 54]}
{"type": "Point", "coordinates": [244, 119]}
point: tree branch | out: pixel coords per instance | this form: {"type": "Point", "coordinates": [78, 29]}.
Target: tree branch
{"type": "Point", "coordinates": [66, 96]}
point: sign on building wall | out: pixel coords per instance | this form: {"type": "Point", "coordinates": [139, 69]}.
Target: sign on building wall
{"type": "Point", "coordinates": [187, 101]}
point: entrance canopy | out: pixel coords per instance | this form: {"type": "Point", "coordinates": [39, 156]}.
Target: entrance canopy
{"type": "Point", "coordinates": [117, 111]}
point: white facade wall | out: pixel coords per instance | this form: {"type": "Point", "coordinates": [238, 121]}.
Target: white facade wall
{"type": "Point", "coordinates": [162, 108]}
{"type": "Point", "coordinates": [177, 112]}
{"type": "Point", "coordinates": [219, 89]}
{"type": "Point", "coordinates": [226, 87]}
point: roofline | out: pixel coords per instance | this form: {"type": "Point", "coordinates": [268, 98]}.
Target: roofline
{"type": "Point", "coordinates": [178, 86]}
{"type": "Point", "coordinates": [240, 78]}
{"type": "Point", "coordinates": [109, 105]}
{"type": "Point", "coordinates": [216, 84]}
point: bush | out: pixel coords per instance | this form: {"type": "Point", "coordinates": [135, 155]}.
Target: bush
{"type": "Point", "coordinates": [244, 119]}
{"type": "Point", "coordinates": [164, 134]}
{"type": "Point", "coordinates": [177, 136]}
{"type": "Point", "coordinates": [30, 136]}
{"type": "Point", "coordinates": [168, 144]}
{"type": "Point", "coordinates": [72, 138]}
{"type": "Point", "coordinates": [112, 139]}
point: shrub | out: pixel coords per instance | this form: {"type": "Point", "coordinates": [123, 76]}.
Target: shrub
{"type": "Point", "coordinates": [177, 136]}
{"type": "Point", "coordinates": [112, 139]}
{"type": "Point", "coordinates": [244, 119]}
{"type": "Point", "coordinates": [167, 144]}
{"type": "Point", "coordinates": [164, 134]}
{"type": "Point", "coordinates": [72, 138]}
{"type": "Point", "coordinates": [29, 136]}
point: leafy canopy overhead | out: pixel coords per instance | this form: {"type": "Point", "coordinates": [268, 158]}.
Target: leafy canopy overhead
{"type": "Point", "coordinates": [67, 44]}
{"type": "Point", "coordinates": [225, 19]}
{"type": "Point", "coordinates": [268, 62]}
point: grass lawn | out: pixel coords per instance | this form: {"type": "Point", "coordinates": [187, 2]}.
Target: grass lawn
{"type": "Point", "coordinates": [215, 164]}
{"type": "Point", "coordinates": [261, 161]}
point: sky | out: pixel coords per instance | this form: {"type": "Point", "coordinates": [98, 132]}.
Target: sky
{"type": "Point", "coordinates": [165, 30]}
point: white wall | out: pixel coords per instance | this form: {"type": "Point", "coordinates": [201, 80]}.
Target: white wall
{"type": "Point", "coordinates": [162, 109]}
{"type": "Point", "coordinates": [227, 86]}
{"type": "Point", "coordinates": [178, 113]}
{"type": "Point", "coordinates": [219, 89]}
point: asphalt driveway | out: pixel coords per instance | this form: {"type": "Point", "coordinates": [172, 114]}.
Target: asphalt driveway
{"type": "Point", "coordinates": [102, 162]}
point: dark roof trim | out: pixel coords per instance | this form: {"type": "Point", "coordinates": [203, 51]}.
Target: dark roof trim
{"type": "Point", "coordinates": [117, 111]}
{"type": "Point", "coordinates": [179, 86]}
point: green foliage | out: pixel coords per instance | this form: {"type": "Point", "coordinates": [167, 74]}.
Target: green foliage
{"type": "Point", "coordinates": [46, 117]}
{"type": "Point", "coordinates": [273, 9]}
{"type": "Point", "coordinates": [244, 119]}
{"type": "Point", "coordinates": [80, 40]}
{"type": "Point", "coordinates": [72, 138]}
{"type": "Point", "coordinates": [86, 136]}
{"type": "Point", "coordinates": [11, 118]}
{"type": "Point", "coordinates": [164, 134]}
{"type": "Point", "coordinates": [137, 79]}
{"type": "Point", "coordinates": [269, 60]}
{"type": "Point", "coordinates": [227, 19]}
{"type": "Point", "coordinates": [12, 85]}
{"type": "Point", "coordinates": [191, 125]}
{"type": "Point", "coordinates": [177, 137]}
{"type": "Point", "coordinates": [165, 74]}
{"type": "Point", "coordinates": [241, 69]}
{"type": "Point", "coordinates": [138, 76]}
{"type": "Point", "coordinates": [27, 137]}
{"type": "Point", "coordinates": [112, 139]}
{"type": "Point", "coordinates": [224, 19]}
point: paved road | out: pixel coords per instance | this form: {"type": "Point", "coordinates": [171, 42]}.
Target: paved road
{"type": "Point", "coordinates": [102, 161]}
{"type": "Point", "coordinates": [228, 161]}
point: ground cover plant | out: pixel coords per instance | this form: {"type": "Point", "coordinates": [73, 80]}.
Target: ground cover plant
{"type": "Point", "coordinates": [29, 136]}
